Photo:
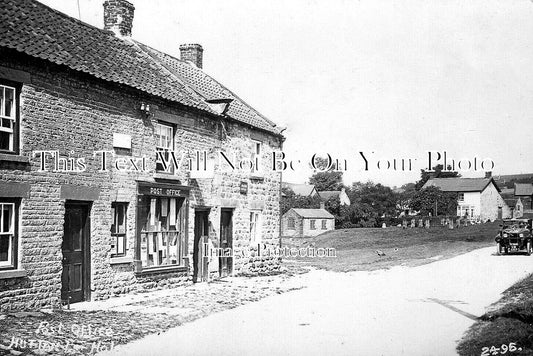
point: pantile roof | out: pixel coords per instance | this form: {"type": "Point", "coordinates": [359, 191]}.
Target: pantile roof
{"type": "Point", "coordinates": [30, 27]}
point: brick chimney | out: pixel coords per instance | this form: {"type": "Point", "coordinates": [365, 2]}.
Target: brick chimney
{"type": "Point", "coordinates": [488, 174]}
{"type": "Point", "coordinates": [322, 205]}
{"type": "Point", "coordinates": [192, 53]}
{"type": "Point", "coordinates": [118, 17]}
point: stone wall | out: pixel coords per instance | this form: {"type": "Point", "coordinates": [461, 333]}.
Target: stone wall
{"type": "Point", "coordinates": [76, 115]}
{"type": "Point", "coordinates": [491, 200]}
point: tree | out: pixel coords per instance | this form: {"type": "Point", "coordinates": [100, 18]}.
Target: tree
{"type": "Point", "coordinates": [437, 173]}
{"type": "Point", "coordinates": [291, 200]}
{"type": "Point", "coordinates": [326, 180]}
{"type": "Point", "coordinates": [434, 201]}
{"type": "Point", "coordinates": [380, 198]}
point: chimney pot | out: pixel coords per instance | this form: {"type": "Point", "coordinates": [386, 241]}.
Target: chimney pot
{"type": "Point", "coordinates": [118, 17]}
{"type": "Point", "coordinates": [488, 174]}
{"type": "Point", "coordinates": [192, 53]}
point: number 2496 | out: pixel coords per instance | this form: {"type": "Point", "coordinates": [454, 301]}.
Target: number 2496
{"type": "Point", "coordinates": [486, 351]}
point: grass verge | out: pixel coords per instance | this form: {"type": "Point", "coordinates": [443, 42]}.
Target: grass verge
{"type": "Point", "coordinates": [357, 249]}
{"type": "Point", "coordinates": [510, 320]}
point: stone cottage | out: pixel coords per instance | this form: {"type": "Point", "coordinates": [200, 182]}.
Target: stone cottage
{"type": "Point", "coordinates": [307, 222]}
{"type": "Point", "coordinates": [121, 164]}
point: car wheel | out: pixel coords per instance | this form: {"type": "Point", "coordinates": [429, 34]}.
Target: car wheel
{"type": "Point", "coordinates": [528, 248]}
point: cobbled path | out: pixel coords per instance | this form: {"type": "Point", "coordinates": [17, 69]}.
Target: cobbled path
{"type": "Point", "coordinates": [101, 325]}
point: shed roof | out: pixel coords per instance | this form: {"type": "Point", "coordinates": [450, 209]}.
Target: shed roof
{"type": "Point", "coordinates": [314, 213]}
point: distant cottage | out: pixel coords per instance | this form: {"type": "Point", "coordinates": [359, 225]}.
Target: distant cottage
{"type": "Point", "coordinates": [477, 198]}
{"type": "Point", "coordinates": [307, 222]}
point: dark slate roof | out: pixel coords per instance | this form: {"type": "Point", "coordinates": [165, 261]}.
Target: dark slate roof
{"type": "Point", "coordinates": [523, 189]}
{"type": "Point", "coordinates": [39, 31]}
{"type": "Point", "coordinates": [460, 184]}
{"type": "Point", "coordinates": [304, 190]}
{"type": "Point", "coordinates": [329, 194]}
{"type": "Point", "coordinates": [314, 213]}
{"type": "Point", "coordinates": [511, 202]}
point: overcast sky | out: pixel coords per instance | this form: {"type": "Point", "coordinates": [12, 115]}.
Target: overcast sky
{"type": "Point", "coordinates": [397, 78]}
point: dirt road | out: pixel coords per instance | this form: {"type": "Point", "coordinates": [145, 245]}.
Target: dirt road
{"type": "Point", "coordinates": [403, 311]}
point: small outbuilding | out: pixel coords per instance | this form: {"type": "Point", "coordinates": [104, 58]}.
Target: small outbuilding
{"type": "Point", "coordinates": [307, 222]}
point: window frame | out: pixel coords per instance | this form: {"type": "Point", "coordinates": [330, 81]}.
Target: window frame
{"type": "Point", "coordinates": [291, 223]}
{"type": "Point", "coordinates": [312, 224]}
{"type": "Point", "coordinates": [461, 197]}
{"type": "Point", "coordinates": [158, 166]}
{"type": "Point", "coordinates": [152, 227]}
{"type": "Point", "coordinates": [16, 125]}
{"type": "Point", "coordinates": [256, 155]}
{"type": "Point", "coordinates": [12, 262]}
{"type": "Point", "coordinates": [324, 224]}
{"type": "Point", "coordinates": [256, 226]}
{"type": "Point", "coordinates": [117, 235]}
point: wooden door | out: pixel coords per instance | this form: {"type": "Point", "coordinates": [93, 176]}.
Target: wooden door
{"type": "Point", "coordinates": [75, 248]}
{"type": "Point", "coordinates": [201, 234]}
{"type": "Point", "coordinates": [226, 241]}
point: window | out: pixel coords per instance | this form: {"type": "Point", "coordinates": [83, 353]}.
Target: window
{"type": "Point", "coordinates": [291, 224]}
{"type": "Point", "coordinates": [8, 119]}
{"type": "Point", "coordinates": [313, 224]}
{"type": "Point", "coordinates": [118, 229]}
{"type": "Point", "coordinates": [461, 197]}
{"type": "Point", "coordinates": [164, 143]}
{"type": "Point", "coordinates": [256, 156]}
{"type": "Point", "coordinates": [324, 224]}
{"type": "Point", "coordinates": [465, 211]}
{"type": "Point", "coordinates": [163, 229]}
{"type": "Point", "coordinates": [8, 235]}
{"type": "Point", "coordinates": [255, 227]}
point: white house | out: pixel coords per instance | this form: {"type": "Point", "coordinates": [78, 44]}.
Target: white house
{"type": "Point", "coordinates": [477, 198]}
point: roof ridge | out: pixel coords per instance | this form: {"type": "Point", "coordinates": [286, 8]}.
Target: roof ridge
{"type": "Point", "coordinates": [165, 67]}
{"type": "Point", "coordinates": [222, 85]}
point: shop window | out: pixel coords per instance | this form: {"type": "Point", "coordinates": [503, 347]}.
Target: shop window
{"type": "Point", "coordinates": [255, 227]}
{"type": "Point", "coordinates": [163, 227]}
{"type": "Point", "coordinates": [118, 229]}
{"type": "Point", "coordinates": [291, 224]}
{"type": "Point", "coordinates": [8, 234]}
{"type": "Point", "coordinates": [8, 119]}
{"type": "Point", "coordinates": [164, 143]}
{"type": "Point", "coordinates": [313, 224]}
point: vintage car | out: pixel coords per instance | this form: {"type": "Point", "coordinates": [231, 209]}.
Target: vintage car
{"type": "Point", "coordinates": [515, 236]}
